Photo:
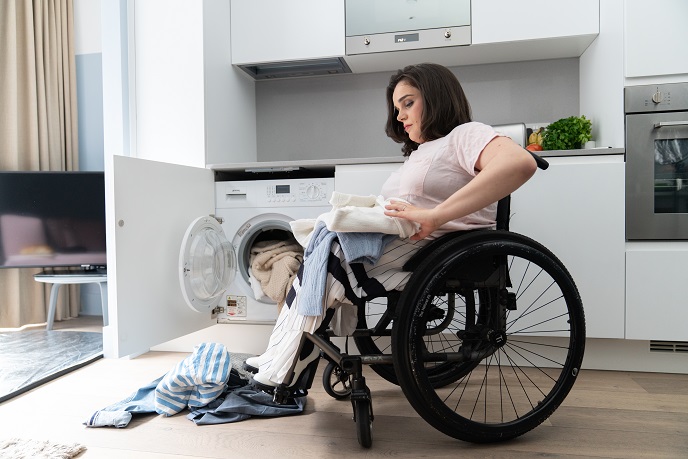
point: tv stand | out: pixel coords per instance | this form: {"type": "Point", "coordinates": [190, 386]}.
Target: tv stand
{"type": "Point", "coordinates": [59, 277]}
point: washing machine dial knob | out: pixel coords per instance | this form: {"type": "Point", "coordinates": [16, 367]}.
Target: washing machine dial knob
{"type": "Point", "coordinates": [312, 192]}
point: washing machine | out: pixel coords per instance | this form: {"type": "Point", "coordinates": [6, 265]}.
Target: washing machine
{"type": "Point", "coordinates": [258, 210]}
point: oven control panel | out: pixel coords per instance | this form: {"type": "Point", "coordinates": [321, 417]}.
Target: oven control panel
{"type": "Point", "coordinates": [656, 98]}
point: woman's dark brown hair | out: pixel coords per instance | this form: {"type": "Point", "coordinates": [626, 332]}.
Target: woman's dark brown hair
{"type": "Point", "coordinates": [444, 103]}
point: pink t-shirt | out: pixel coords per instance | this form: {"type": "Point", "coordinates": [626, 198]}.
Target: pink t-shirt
{"type": "Point", "coordinates": [437, 169]}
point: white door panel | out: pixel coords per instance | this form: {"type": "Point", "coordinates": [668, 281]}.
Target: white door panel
{"type": "Point", "coordinates": [149, 207]}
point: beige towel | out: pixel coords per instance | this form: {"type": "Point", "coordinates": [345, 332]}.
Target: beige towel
{"type": "Point", "coordinates": [275, 264]}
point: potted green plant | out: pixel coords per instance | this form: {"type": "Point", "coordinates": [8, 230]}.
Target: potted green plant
{"type": "Point", "coordinates": [567, 133]}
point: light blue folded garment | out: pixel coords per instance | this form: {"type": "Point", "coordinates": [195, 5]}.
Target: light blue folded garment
{"type": "Point", "coordinates": [315, 270]}
{"type": "Point", "coordinates": [364, 247]}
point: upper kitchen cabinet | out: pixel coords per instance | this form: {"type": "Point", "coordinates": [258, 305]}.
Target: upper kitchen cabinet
{"type": "Point", "coordinates": [655, 37]}
{"type": "Point", "coordinates": [500, 31]}
{"type": "Point", "coordinates": [500, 21]}
{"type": "Point", "coordinates": [522, 30]}
{"type": "Point", "coordinates": [273, 39]}
{"type": "Point", "coordinates": [277, 31]}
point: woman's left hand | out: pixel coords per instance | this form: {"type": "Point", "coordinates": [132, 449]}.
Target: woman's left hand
{"type": "Point", "coordinates": [424, 217]}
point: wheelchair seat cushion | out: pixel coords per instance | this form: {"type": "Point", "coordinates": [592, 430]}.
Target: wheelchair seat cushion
{"type": "Point", "coordinates": [421, 254]}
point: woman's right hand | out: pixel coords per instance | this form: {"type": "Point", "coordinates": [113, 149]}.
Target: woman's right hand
{"type": "Point", "coordinates": [424, 217]}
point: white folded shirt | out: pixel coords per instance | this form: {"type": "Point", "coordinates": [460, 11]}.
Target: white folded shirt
{"type": "Point", "coordinates": [352, 213]}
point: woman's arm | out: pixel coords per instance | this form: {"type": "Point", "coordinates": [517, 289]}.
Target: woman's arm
{"type": "Point", "coordinates": [503, 167]}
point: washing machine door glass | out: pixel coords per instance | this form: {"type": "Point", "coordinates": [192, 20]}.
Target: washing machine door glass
{"type": "Point", "coordinates": [207, 264]}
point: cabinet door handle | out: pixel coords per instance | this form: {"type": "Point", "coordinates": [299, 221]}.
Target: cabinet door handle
{"type": "Point", "coordinates": [671, 123]}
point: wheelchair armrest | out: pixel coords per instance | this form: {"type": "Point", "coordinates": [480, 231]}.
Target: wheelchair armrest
{"type": "Point", "coordinates": [539, 160]}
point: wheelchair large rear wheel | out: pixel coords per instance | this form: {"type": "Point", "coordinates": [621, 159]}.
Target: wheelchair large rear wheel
{"type": "Point", "coordinates": [517, 352]}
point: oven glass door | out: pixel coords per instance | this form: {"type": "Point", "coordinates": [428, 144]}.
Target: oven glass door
{"type": "Point", "coordinates": [657, 176]}
{"type": "Point", "coordinates": [671, 175]}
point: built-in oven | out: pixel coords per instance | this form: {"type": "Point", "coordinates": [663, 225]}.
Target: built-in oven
{"type": "Point", "coordinates": [657, 162]}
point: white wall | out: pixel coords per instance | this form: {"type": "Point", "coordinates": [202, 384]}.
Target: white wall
{"type": "Point", "coordinates": [169, 82]}
{"type": "Point", "coordinates": [343, 116]}
{"type": "Point", "coordinates": [602, 78]}
{"type": "Point", "coordinates": [192, 107]}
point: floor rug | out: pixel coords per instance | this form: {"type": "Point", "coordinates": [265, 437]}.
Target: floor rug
{"type": "Point", "coordinates": [17, 448]}
{"type": "Point", "coordinates": [31, 358]}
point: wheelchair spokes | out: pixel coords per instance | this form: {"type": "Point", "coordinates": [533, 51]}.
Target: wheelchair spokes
{"type": "Point", "coordinates": [509, 355]}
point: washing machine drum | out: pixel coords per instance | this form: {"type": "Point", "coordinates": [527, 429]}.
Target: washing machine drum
{"type": "Point", "coordinates": [207, 264]}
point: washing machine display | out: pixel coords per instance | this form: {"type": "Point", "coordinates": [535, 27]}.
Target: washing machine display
{"type": "Point", "coordinates": [256, 211]}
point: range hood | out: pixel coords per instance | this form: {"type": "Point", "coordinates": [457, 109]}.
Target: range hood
{"type": "Point", "coordinates": [296, 69]}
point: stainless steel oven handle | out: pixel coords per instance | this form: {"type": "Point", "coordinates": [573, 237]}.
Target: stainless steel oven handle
{"type": "Point", "coordinates": [671, 123]}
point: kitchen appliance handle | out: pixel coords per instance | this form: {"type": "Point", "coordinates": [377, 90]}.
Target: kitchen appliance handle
{"type": "Point", "coordinates": [670, 123]}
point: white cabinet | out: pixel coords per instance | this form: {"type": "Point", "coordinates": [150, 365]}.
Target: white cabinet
{"type": "Point", "coordinates": [576, 209]}
{"type": "Point", "coordinates": [655, 37]}
{"type": "Point", "coordinates": [656, 305]}
{"type": "Point", "coordinates": [278, 30]}
{"type": "Point", "coordinates": [191, 106]}
{"type": "Point", "coordinates": [495, 21]}
{"type": "Point", "coordinates": [274, 31]}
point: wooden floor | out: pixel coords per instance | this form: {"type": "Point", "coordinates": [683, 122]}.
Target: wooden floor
{"type": "Point", "coordinates": [607, 414]}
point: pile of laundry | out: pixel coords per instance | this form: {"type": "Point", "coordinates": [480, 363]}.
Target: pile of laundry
{"type": "Point", "coordinates": [273, 266]}
{"type": "Point", "coordinates": [205, 383]}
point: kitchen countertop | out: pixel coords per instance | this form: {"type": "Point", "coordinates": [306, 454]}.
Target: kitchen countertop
{"type": "Point", "coordinates": [324, 164]}
{"type": "Point", "coordinates": [279, 166]}
{"type": "Point", "coordinates": [583, 152]}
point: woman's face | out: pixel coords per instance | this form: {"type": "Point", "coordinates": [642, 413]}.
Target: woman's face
{"type": "Point", "coordinates": [409, 104]}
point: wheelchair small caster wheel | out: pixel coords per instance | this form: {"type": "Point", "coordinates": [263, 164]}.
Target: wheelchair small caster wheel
{"type": "Point", "coordinates": [337, 382]}
{"type": "Point", "coordinates": [364, 422]}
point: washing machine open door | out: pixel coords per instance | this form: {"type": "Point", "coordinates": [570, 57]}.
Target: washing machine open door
{"type": "Point", "coordinates": [207, 264]}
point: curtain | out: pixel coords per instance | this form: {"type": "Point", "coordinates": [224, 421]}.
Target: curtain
{"type": "Point", "coordinates": [38, 128]}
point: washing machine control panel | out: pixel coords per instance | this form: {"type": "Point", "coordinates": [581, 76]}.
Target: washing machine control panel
{"type": "Point", "coordinates": [306, 191]}
{"type": "Point", "coordinates": [275, 193]}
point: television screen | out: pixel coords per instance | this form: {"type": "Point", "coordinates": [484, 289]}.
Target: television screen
{"type": "Point", "coordinates": [52, 219]}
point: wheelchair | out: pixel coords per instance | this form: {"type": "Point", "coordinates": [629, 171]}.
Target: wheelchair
{"type": "Point", "coordinates": [485, 340]}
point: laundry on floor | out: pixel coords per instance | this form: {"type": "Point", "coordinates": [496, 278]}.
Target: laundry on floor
{"type": "Point", "coordinates": [207, 384]}
{"type": "Point", "coordinates": [273, 266]}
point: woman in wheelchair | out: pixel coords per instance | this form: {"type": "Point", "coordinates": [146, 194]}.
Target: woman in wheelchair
{"type": "Point", "coordinates": [455, 173]}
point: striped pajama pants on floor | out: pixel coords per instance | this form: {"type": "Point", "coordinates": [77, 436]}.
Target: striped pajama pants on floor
{"type": "Point", "coordinates": [345, 284]}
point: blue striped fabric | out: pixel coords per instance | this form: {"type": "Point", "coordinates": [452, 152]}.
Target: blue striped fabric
{"type": "Point", "coordinates": [195, 381]}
